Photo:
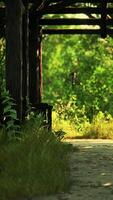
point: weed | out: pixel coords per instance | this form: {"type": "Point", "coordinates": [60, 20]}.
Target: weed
{"type": "Point", "coordinates": [10, 120]}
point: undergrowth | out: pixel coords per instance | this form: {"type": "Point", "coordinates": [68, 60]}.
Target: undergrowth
{"type": "Point", "coordinates": [36, 163]}
{"type": "Point", "coordinates": [64, 126]}
{"type": "Point", "coordinates": [101, 127]}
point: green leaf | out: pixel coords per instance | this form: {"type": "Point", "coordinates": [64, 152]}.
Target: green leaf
{"type": "Point", "coordinates": [7, 109]}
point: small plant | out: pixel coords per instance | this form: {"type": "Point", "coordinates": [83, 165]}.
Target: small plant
{"type": "Point", "coordinates": [60, 134]}
{"type": "Point", "coordinates": [8, 115]}
{"type": "Point", "coordinates": [10, 120]}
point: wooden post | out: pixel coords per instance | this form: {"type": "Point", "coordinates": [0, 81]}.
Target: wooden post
{"type": "Point", "coordinates": [103, 19]}
{"type": "Point", "coordinates": [14, 11]}
{"type": "Point", "coordinates": [25, 47]}
{"type": "Point", "coordinates": [34, 61]}
{"type": "Point", "coordinates": [39, 53]}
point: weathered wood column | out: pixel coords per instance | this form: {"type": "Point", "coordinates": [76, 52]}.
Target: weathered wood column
{"type": "Point", "coordinates": [34, 61]}
{"type": "Point", "coordinates": [103, 18]}
{"type": "Point", "coordinates": [14, 12]}
{"type": "Point", "coordinates": [39, 53]}
{"type": "Point", "coordinates": [25, 54]}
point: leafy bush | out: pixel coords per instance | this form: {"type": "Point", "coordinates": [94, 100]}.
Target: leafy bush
{"type": "Point", "coordinates": [36, 164]}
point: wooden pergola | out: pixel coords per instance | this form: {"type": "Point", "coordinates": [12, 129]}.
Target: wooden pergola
{"type": "Point", "coordinates": [23, 22]}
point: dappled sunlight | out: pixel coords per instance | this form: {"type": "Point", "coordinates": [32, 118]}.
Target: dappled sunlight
{"type": "Point", "coordinates": [88, 147]}
{"type": "Point", "coordinates": [107, 184]}
{"type": "Point", "coordinates": [103, 174]}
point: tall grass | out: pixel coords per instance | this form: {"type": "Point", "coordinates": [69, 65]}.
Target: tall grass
{"type": "Point", "coordinates": [35, 164]}
{"type": "Point", "coordinates": [100, 128]}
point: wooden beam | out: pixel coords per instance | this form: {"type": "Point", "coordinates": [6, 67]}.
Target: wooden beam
{"type": "Point", "coordinates": [34, 62]}
{"type": "Point", "coordinates": [75, 31]}
{"type": "Point", "coordinates": [63, 4]}
{"type": "Point", "coordinates": [82, 1]}
{"type": "Point", "coordinates": [73, 21]}
{"type": "Point", "coordinates": [2, 11]}
{"type": "Point", "coordinates": [110, 32]}
{"type": "Point", "coordinates": [1, 112]}
{"type": "Point", "coordinates": [103, 19]}
{"type": "Point", "coordinates": [71, 31]}
{"type": "Point", "coordinates": [38, 4]}
{"type": "Point", "coordinates": [77, 10]}
{"type": "Point", "coordinates": [25, 56]}
{"type": "Point", "coordinates": [39, 52]}
{"type": "Point", "coordinates": [78, 1]}
{"type": "Point", "coordinates": [2, 21]}
{"type": "Point", "coordinates": [14, 12]}
{"type": "Point", "coordinates": [2, 29]}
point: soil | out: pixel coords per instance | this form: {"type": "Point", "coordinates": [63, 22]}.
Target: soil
{"type": "Point", "coordinates": [91, 172]}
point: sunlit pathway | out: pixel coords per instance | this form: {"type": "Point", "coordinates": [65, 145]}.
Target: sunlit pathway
{"type": "Point", "coordinates": [91, 172]}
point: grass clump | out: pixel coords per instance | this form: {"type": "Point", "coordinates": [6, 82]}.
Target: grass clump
{"type": "Point", "coordinates": [36, 164]}
{"type": "Point", "coordinates": [100, 128]}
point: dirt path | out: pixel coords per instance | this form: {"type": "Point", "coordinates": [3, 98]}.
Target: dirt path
{"type": "Point", "coordinates": [91, 172]}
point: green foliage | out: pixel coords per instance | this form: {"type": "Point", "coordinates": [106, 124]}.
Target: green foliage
{"type": "Point", "coordinates": [37, 164]}
{"type": "Point", "coordinates": [69, 110]}
{"type": "Point", "coordinates": [9, 115]}
{"type": "Point", "coordinates": [10, 124]}
{"type": "Point", "coordinates": [80, 83]}
{"type": "Point", "coordinates": [79, 67]}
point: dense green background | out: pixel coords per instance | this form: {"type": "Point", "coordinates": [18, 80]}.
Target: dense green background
{"type": "Point", "coordinates": [90, 59]}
